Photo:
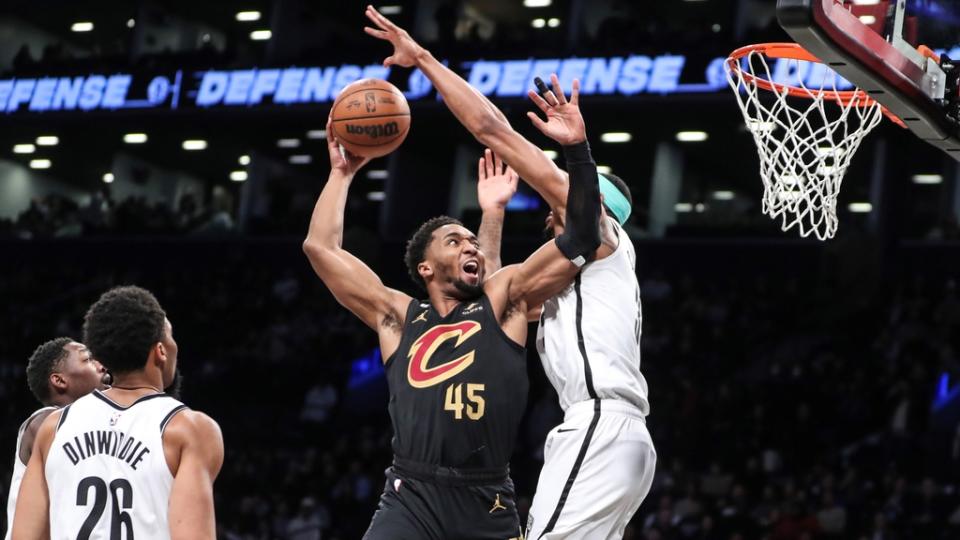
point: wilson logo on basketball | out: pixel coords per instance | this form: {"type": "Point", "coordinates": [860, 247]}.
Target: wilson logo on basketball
{"type": "Point", "coordinates": [419, 375]}
{"type": "Point", "coordinates": [390, 129]}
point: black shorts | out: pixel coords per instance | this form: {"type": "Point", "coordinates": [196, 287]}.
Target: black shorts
{"type": "Point", "coordinates": [418, 506]}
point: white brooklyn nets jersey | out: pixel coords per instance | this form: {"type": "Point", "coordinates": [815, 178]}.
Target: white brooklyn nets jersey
{"type": "Point", "coordinates": [106, 471]}
{"type": "Point", "coordinates": [19, 468]}
{"type": "Point", "coordinates": [589, 334]}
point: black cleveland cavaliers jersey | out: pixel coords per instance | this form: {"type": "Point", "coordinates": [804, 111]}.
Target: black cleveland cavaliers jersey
{"type": "Point", "coordinates": [458, 387]}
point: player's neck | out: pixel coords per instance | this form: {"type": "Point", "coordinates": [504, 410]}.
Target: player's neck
{"type": "Point", "coordinates": [131, 386]}
{"type": "Point", "coordinates": [443, 303]}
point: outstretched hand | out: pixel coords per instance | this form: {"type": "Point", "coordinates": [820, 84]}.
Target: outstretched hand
{"type": "Point", "coordinates": [564, 122]}
{"type": "Point", "coordinates": [405, 49]}
{"type": "Point", "coordinates": [341, 160]}
{"type": "Point", "coordinates": [497, 182]}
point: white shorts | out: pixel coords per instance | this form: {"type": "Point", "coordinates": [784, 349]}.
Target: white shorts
{"type": "Point", "coordinates": [598, 467]}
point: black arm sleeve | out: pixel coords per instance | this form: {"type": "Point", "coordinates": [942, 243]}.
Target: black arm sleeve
{"type": "Point", "coordinates": [581, 232]}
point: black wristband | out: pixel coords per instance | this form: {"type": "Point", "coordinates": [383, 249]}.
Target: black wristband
{"type": "Point", "coordinates": [578, 153]}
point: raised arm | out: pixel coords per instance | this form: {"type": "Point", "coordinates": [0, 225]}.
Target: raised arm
{"type": "Point", "coordinates": [352, 282]}
{"type": "Point", "coordinates": [195, 439]}
{"type": "Point", "coordinates": [477, 113]}
{"type": "Point", "coordinates": [495, 187]}
{"type": "Point", "coordinates": [31, 520]}
{"type": "Point", "coordinates": [551, 268]}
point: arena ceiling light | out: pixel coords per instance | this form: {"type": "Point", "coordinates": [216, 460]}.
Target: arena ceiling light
{"type": "Point", "coordinates": [194, 144]}
{"type": "Point", "coordinates": [604, 169]}
{"type": "Point", "coordinates": [248, 16]}
{"type": "Point", "coordinates": [616, 137]}
{"type": "Point", "coordinates": [868, 19]}
{"type": "Point", "coordinates": [40, 164]}
{"type": "Point", "coordinates": [538, 23]}
{"type": "Point", "coordinates": [552, 154]}
{"type": "Point", "coordinates": [135, 138]}
{"type": "Point", "coordinates": [108, 178]}
{"type": "Point", "coordinates": [692, 136]}
{"type": "Point", "coordinates": [131, 23]}
{"type": "Point", "coordinates": [82, 26]}
{"type": "Point", "coordinates": [536, 3]}
{"type": "Point", "coordinates": [376, 196]}
{"type": "Point", "coordinates": [244, 160]}
{"type": "Point", "coordinates": [261, 35]}
{"type": "Point", "coordinates": [378, 174]}
{"type": "Point", "coordinates": [48, 140]}
{"type": "Point", "coordinates": [288, 143]}
{"type": "Point", "coordinates": [866, 2]}
{"type": "Point", "coordinates": [238, 176]}
{"type": "Point", "coordinates": [723, 195]}
{"type": "Point", "coordinates": [317, 134]}
{"type": "Point", "coordinates": [927, 179]}
{"type": "Point", "coordinates": [860, 207]}
{"type": "Point", "coordinates": [25, 148]}
{"type": "Point", "coordinates": [683, 207]}
{"type": "Point", "coordinates": [553, 22]}
{"type": "Point", "coordinates": [390, 10]}
{"type": "Point", "coordinates": [301, 159]}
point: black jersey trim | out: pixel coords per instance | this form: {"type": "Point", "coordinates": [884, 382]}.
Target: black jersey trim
{"type": "Point", "coordinates": [169, 416]}
{"type": "Point", "coordinates": [587, 372]}
{"type": "Point", "coordinates": [576, 470]}
{"type": "Point", "coordinates": [63, 416]}
{"type": "Point", "coordinates": [119, 407]}
{"type": "Point", "coordinates": [503, 335]}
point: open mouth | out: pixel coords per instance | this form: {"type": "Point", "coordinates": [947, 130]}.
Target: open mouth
{"type": "Point", "coordinates": [471, 268]}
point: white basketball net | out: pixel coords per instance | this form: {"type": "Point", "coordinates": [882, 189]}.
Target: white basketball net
{"type": "Point", "coordinates": [805, 143]}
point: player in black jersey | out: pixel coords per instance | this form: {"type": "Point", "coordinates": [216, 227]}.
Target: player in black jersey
{"type": "Point", "coordinates": [455, 363]}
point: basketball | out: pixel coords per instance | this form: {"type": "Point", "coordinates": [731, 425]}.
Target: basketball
{"type": "Point", "coordinates": [370, 118]}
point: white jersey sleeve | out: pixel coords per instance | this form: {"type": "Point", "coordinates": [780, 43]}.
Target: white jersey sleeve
{"type": "Point", "coordinates": [19, 468]}
{"type": "Point", "coordinates": [589, 334]}
{"type": "Point", "coordinates": [106, 470]}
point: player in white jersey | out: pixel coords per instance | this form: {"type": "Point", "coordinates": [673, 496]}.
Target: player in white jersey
{"type": "Point", "coordinates": [131, 461]}
{"type": "Point", "coordinates": [58, 373]}
{"type": "Point", "coordinates": [600, 461]}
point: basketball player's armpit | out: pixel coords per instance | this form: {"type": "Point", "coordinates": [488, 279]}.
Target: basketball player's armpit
{"type": "Point", "coordinates": [581, 235]}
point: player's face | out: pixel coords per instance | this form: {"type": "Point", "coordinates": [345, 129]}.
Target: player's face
{"type": "Point", "coordinates": [82, 373]}
{"type": "Point", "coordinates": [170, 346]}
{"type": "Point", "coordinates": [457, 260]}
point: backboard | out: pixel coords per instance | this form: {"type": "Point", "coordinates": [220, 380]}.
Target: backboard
{"type": "Point", "coordinates": [868, 42]}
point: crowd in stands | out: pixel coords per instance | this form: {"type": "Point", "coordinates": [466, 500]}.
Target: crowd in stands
{"type": "Point", "coordinates": [775, 414]}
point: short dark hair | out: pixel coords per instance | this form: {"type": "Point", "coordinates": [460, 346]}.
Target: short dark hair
{"type": "Point", "coordinates": [122, 326]}
{"type": "Point", "coordinates": [621, 186]}
{"type": "Point", "coordinates": [42, 363]}
{"type": "Point", "coordinates": [417, 246]}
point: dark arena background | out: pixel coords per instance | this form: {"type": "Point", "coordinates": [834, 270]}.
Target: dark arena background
{"type": "Point", "coordinates": [799, 389]}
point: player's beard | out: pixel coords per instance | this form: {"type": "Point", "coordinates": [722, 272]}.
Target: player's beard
{"type": "Point", "coordinates": [472, 292]}
{"type": "Point", "coordinates": [173, 389]}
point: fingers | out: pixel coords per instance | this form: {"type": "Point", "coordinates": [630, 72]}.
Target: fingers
{"type": "Point", "coordinates": [512, 176]}
{"type": "Point", "coordinates": [575, 96]}
{"type": "Point", "coordinates": [498, 165]}
{"type": "Point", "coordinates": [557, 91]}
{"type": "Point", "coordinates": [537, 122]}
{"type": "Point", "coordinates": [379, 19]}
{"type": "Point", "coordinates": [488, 155]}
{"type": "Point", "coordinates": [380, 34]}
{"type": "Point", "coordinates": [481, 170]}
{"type": "Point", "coordinates": [389, 61]}
{"type": "Point", "coordinates": [538, 101]}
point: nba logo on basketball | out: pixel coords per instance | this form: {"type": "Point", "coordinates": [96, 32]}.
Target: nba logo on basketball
{"type": "Point", "coordinates": [371, 100]}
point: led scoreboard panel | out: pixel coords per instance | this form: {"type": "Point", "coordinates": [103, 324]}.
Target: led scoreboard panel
{"type": "Point", "coordinates": [622, 76]}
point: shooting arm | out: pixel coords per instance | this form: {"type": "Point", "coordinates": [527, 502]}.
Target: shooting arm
{"type": "Point", "coordinates": [352, 282]}
{"type": "Point", "coordinates": [191, 512]}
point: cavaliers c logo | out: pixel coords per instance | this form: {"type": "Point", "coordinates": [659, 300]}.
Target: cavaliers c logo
{"type": "Point", "coordinates": [419, 375]}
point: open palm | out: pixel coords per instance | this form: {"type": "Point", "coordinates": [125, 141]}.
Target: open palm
{"type": "Point", "coordinates": [405, 49]}
{"type": "Point", "coordinates": [564, 122]}
{"type": "Point", "coordinates": [497, 182]}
